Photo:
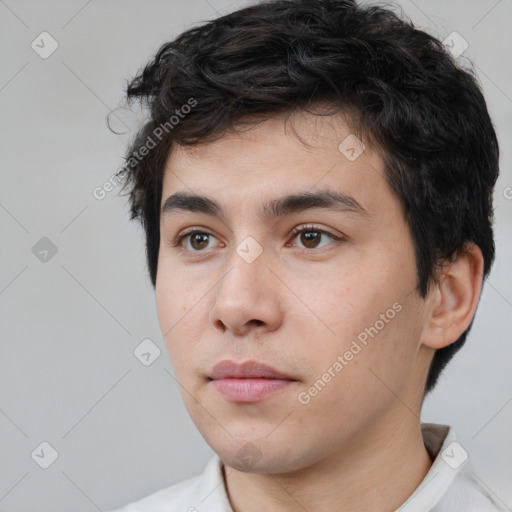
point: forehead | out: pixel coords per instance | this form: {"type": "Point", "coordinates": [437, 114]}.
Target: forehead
{"type": "Point", "coordinates": [273, 159]}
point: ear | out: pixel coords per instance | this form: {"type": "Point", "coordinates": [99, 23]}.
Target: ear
{"type": "Point", "coordinates": [453, 302]}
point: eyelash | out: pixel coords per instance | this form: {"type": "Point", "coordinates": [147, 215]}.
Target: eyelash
{"type": "Point", "coordinates": [296, 231]}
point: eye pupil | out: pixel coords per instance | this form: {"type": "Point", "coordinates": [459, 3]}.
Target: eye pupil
{"type": "Point", "coordinates": [200, 238]}
{"type": "Point", "coordinates": [308, 240]}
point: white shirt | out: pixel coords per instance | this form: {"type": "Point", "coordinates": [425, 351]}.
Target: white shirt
{"type": "Point", "coordinates": [449, 486]}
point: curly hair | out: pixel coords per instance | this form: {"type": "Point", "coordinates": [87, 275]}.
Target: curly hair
{"type": "Point", "coordinates": [404, 92]}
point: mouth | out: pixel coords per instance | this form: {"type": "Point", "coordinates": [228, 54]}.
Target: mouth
{"type": "Point", "coordinates": [248, 382]}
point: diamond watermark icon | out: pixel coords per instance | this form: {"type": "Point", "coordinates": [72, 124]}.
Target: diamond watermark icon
{"type": "Point", "coordinates": [44, 45]}
{"type": "Point", "coordinates": [44, 250]}
{"type": "Point", "coordinates": [44, 455]}
{"type": "Point", "coordinates": [455, 44]}
{"type": "Point", "coordinates": [249, 249]}
{"type": "Point", "coordinates": [454, 455]}
{"type": "Point", "coordinates": [146, 352]}
{"type": "Point", "coordinates": [351, 147]}
{"type": "Point", "coordinates": [248, 455]}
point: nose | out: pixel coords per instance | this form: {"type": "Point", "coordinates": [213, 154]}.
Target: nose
{"type": "Point", "coordinates": [247, 297]}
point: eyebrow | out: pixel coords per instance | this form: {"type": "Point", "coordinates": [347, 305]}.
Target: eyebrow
{"type": "Point", "coordinates": [293, 203]}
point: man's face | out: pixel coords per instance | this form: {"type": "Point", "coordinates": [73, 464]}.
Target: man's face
{"type": "Point", "coordinates": [333, 308]}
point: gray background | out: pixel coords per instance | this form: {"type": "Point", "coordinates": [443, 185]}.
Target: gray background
{"type": "Point", "coordinates": [70, 324]}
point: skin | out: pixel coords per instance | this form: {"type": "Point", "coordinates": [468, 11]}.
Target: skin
{"type": "Point", "coordinates": [297, 307]}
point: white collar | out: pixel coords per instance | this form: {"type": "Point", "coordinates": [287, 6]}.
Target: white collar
{"type": "Point", "coordinates": [450, 460]}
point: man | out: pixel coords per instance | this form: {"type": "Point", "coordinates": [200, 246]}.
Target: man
{"type": "Point", "coordinates": [315, 183]}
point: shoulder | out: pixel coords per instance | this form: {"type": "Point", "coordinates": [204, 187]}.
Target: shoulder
{"type": "Point", "coordinates": [207, 489]}
{"type": "Point", "coordinates": [450, 485]}
{"type": "Point", "coordinates": [466, 494]}
{"type": "Point", "coordinates": [179, 496]}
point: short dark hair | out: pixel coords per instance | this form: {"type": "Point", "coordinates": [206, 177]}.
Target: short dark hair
{"type": "Point", "coordinates": [398, 85]}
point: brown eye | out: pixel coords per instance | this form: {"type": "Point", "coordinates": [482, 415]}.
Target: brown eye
{"type": "Point", "coordinates": [199, 240]}
{"type": "Point", "coordinates": [311, 236]}
{"type": "Point", "coordinates": [195, 240]}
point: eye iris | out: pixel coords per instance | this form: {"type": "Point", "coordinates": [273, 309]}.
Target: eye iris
{"type": "Point", "coordinates": [306, 239]}
{"type": "Point", "coordinates": [201, 238]}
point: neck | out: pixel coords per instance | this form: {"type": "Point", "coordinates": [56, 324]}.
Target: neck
{"type": "Point", "coordinates": [378, 471]}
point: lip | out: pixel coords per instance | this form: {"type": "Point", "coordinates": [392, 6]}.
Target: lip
{"type": "Point", "coordinates": [249, 390]}
{"type": "Point", "coordinates": [248, 370]}
{"type": "Point", "coordinates": [249, 381]}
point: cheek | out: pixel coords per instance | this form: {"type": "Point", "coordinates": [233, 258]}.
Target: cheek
{"type": "Point", "coordinates": [372, 327]}
{"type": "Point", "coordinates": [175, 297]}
{"type": "Point", "coordinates": [356, 381]}
{"type": "Point", "coordinates": [178, 310]}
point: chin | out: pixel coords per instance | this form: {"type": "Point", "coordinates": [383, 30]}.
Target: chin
{"type": "Point", "coordinates": [261, 457]}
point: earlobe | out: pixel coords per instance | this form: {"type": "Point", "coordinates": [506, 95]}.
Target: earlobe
{"type": "Point", "coordinates": [454, 300]}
